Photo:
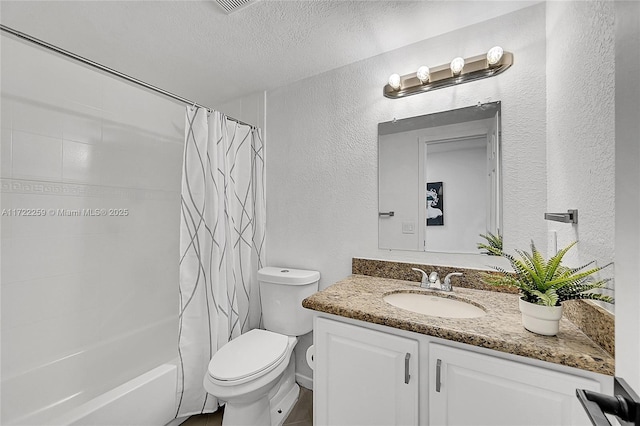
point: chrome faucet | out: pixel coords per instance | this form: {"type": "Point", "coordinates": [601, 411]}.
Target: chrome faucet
{"type": "Point", "coordinates": [425, 278]}
{"type": "Point", "coordinates": [429, 281]}
{"type": "Point", "coordinates": [446, 286]}
{"type": "Point", "coordinates": [432, 281]}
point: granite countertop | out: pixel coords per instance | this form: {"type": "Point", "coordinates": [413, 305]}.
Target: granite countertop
{"type": "Point", "coordinates": [360, 297]}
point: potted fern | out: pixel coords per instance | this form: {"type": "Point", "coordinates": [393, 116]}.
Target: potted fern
{"type": "Point", "coordinates": [545, 284]}
{"type": "Point", "coordinates": [493, 245]}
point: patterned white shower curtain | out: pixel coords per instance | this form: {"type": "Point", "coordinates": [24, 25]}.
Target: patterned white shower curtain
{"type": "Point", "coordinates": [221, 245]}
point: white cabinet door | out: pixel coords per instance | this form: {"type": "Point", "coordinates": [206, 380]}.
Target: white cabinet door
{"type": "Point", "coordinates": [475, 389]}
{"type": "Point", "coordinates": [363, 377]}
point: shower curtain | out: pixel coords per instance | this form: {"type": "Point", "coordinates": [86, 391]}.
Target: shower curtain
{"type": "Point", "coordinates": [221, 245]}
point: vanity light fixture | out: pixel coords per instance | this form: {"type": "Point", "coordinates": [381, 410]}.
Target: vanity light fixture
{"type": "Point", "coordinates": [394, 81]}
{"type": "Point", "coordinates": [423, 74]}
{"type": "Point", "coordinates": [457, 65]}
{"type": "Point", "coordinates": [459, 71]}
{"type": "Point", "coordinates": [494, 55]}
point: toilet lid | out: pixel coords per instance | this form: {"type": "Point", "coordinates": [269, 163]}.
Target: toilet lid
{"type": "Point", "coordinates": [248, 354]}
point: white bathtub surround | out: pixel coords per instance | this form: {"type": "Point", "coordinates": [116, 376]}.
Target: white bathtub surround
{"type": "Point", "coordinates": [145, 400]}
{"type": "Point", "coordinates": [88, 302]}
{"type": "Point", "coordinates": [221, 245]}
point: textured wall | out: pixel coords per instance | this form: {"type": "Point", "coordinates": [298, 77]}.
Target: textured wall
{"type": "Point", "coordinates": [322, 146]}
{"type": "Point", "coordinates": [580, 127]}
{"type": "Point", "coordinates": [627, 232]}
{"type": "Point", "coordinates": [321, 139]}
{"type": "Point", "coordinates": [250, 109]}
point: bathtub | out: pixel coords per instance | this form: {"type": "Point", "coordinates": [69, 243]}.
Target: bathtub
{"type": "Point", "coordinates": [149, 399]}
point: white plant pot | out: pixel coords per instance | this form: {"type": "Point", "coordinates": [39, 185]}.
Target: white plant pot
{"type": "Point", "coordinates": [540, 319]}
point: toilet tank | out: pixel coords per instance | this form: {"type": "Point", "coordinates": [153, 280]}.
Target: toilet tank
{"type": "Point", "coordinates": [281, 293]}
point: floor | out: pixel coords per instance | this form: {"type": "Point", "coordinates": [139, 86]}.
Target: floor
{"type": "Point", "coordinates": [301, 414]}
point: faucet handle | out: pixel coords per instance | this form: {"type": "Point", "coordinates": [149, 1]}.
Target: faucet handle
{"type": "Point", "coordinates": [425, 277]}
{"type": "Point", "coordinates": [447, 280]}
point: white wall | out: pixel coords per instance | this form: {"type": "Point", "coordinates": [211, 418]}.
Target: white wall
{"type": "Point", "coordinates": [627, 184]}
{"type": "Point", "coordinates": [249, 109]}
{"type": "Point", "coordinates": [464, 176]}
{"type": "Point", "coordinates": [87, 302]}
{"type": "Point", "coordinates": [399, 189]}
{"type": "Point", "coordinates": [322, 137]}
{"type": "Point", "coordinates": [580, 127]}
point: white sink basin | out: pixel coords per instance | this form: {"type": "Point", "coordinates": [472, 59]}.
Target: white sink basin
{"type": "Point", "coordinates": [429, 304]}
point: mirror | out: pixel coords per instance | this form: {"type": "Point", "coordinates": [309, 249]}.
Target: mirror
{"type": "Point", "coordinates": [439, 184]}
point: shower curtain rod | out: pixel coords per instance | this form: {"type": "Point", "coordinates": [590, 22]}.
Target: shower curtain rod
{"type": "Point", "coordinates": [108, 70]}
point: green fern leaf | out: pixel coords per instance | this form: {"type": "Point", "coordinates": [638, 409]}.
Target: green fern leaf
{"type": "Point", "coordinates": [548, 282]}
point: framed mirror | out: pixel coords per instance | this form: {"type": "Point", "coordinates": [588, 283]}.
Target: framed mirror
{"type": "Point", "coordinates": [439, 180]}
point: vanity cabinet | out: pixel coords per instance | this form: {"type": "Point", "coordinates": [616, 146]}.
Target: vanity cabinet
{"type": "Point", "coordinates": [468, 388]}
{"type": "Point", "coordinates": [363, 376]}
{"type": "Point", "coordinates": [360, 378]}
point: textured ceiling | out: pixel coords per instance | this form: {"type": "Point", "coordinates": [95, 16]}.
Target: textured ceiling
{"type": "Point", "coordinates": [197, 51]}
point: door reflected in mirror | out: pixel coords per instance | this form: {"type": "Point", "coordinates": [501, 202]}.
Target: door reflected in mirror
{"type": "Point", "coordinates": [439, 180]}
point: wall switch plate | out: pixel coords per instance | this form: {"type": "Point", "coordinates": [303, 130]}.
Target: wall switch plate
{"type": "Point", "coordinates": [408, 227]}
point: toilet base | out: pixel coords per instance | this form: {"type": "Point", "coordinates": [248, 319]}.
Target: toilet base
{"type": "Point", "coordinates": [280, 410]}
{"type": "Point", "coordinates": [247, 414]}
{"type": "Point", "coordinates": [272, 409]}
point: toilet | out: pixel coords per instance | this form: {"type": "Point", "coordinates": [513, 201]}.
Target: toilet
{"type": "Point", "coordinates": [254, 374]}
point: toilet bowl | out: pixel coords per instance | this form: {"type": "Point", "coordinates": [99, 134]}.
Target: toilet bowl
{"type": "Point", "coordinates": [254, 374]}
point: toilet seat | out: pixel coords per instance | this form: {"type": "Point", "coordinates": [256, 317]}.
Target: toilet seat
{"type": "Point", "coordinates": [248, 356]}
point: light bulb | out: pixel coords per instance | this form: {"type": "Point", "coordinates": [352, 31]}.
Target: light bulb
{"type": "Point", "coordinates": [457, 65]}
{"type": "Point", "coordinates": [494, 55]}
{"type": "Point", "coordinates": [423, 74]}
{"type": "Point", "coordinates": [394, 81]}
